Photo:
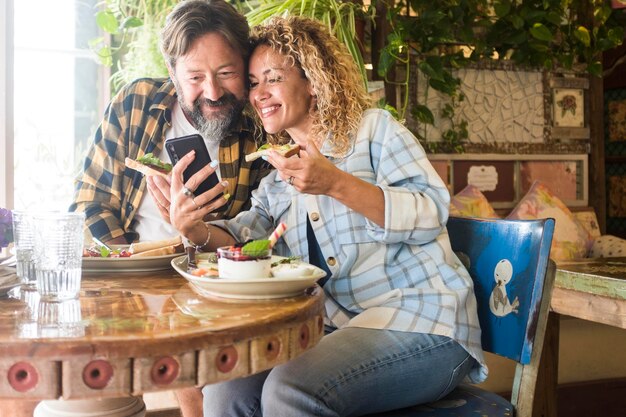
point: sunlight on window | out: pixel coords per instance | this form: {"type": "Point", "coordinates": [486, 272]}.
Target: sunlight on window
{"type": "Point", "coordinates": [56, 99]}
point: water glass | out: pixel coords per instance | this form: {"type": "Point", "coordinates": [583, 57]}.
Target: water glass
{"type": "Point", "coordinates": [58, 254]}
{"type": "Point", "coordinates": [23, 233]}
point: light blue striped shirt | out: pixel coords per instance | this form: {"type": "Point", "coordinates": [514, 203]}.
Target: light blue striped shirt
{"type": "Point", "coordinates": [403, 276]}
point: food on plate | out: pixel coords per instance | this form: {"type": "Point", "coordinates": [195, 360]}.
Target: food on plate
{"type": "Point", "coordinates": [250, 261]}
{"type": "Point", "coordinates": [292, 269]}
{"type": "Point", "coordinates": [149, 164]}
{"type": "Point", "coordinates": [136, 250]}
{"type": "Point", "coordinates": [98, 251]}
{"type": "Point", "coordinates": [157, 247]}
{"type": "Point", "coordinates": [285, 150]}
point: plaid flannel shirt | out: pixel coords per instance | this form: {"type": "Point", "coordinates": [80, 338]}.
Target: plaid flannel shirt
{"type": "Point", "coordinates": [134, 124]}
{"type": "Point", "coordinates": [402, 276]}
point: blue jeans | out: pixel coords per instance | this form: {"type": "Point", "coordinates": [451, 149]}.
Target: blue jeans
{"type": "Point", "coordinates": [351, 372]}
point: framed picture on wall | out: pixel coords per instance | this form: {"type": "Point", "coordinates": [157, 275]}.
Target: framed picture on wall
{"type": "Point", "coordinates": [568, 107]}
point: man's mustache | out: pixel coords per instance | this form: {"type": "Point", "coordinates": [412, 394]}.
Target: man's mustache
{"type": "Point", "coordinates": [223, 101]}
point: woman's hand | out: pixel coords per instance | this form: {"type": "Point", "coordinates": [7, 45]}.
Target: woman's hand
{"type": "Point", "coordinates": [159, 189]}
{"type": "Point", "coordinates": [187, 211]}
{"type": "Point", "coordinates": [311, 173]}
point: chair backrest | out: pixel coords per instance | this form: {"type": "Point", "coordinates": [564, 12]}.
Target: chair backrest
{"type": "Point", "coordinates": [509, 261]}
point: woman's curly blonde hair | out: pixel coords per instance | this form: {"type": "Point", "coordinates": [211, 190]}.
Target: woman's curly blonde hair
{"type": "Point", "coordinates": [331, 70]}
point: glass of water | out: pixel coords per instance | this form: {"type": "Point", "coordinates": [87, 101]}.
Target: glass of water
{"type": "Point", "coordinates": [58, 253]}
{"type": "Point", "coordinates": [24, 236]}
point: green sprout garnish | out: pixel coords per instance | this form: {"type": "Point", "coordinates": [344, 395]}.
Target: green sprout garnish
{"type": "Point", "coordinates": [285, 261]}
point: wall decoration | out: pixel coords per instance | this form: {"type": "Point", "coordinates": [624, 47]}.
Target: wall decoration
{"type": "Point", "coordinates": [568, 107]}
{"type": "Point", "coordinates": [495, 179]}
{"type": "Point", "coordinates": [616, 113]}
{"type": "Point", "coordinates": [443, 169]}
{"type": "Point", "coordinates": [617, 196]}
{"type": "Point", "coordinates": [500, 106]}
{"type": "Point", "coordinates": [563, 177]}
{"type": "Point", "coordinates": [508, 109]}
{"type": "Point", "coordinates": [504, 179]}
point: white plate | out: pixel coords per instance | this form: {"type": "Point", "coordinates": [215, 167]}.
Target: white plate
{"type": "Point", "coordinates": [130, 264]}
{"type": "Point", "coordinates": [249, 289]}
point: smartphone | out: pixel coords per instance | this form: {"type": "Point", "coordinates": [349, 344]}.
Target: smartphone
{"type": "Point", "coordinates": [179, 147]}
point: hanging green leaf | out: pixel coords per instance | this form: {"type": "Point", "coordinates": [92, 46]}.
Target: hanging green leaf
{"type": "Point", "coordinates": [582, 34]}
{"type": "Point", "coordinates": [131, 22]}
{"type": "Point", "coordinates": [502, 8]}
{"type": "Point", "coordinates": [540, 32]}
{"type": "Point", "coordinates": [423, 114]}
{"type": "Point", "coordinates": [107, 21]}
{"type": "Point", "coordinates": [595, 68]}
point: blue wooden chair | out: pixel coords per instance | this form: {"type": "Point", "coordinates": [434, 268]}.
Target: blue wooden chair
{"type": "Point", "coordinates": [513, 276]}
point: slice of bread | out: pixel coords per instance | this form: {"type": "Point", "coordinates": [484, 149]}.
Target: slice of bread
{"type": "Point", "coordinates": [140, 247]}
{"type": "Point", "coordinates": [284, 150]}
{"type": "Point", "coordinates": [145, 169]}
{"type": "Point", "coordinates": [166, 250]}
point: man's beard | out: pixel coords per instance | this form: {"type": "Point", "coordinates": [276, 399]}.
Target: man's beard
{"type": "Point", "coordinates": [213, 129]}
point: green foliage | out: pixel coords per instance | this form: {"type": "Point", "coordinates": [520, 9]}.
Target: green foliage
{"type": "Point", "coordinates": [549, 34]}
{"type": "Point", "coordinates": [131, 41]}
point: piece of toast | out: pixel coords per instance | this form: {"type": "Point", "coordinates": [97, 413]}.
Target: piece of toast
{"type": "Point", "coordinates": [138, 248]}
{"type": "Point", "coordinates": [145, 169]}
{"type": "Point", "coordinates": [284, 150]}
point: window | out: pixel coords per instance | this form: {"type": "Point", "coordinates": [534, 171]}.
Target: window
{"type": "Point", "coordinates": [58, 96]}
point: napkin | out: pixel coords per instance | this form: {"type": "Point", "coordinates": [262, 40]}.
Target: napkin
{"type": "Point", "coordinates": [7, 275]}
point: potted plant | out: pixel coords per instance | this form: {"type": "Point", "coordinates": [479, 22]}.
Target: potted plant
{"type": "Point", "coordinates": [132, 40]}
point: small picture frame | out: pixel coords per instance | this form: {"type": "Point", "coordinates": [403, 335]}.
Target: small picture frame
{"type": "Point", "coordinates": [568, 107]}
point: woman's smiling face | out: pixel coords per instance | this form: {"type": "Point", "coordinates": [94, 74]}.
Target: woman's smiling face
{"type": "Point", "coordinates": [280, 94]}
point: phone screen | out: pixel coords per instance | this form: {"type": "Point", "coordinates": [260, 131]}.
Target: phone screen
{"type": "Point", "coordinates": [179, 147]}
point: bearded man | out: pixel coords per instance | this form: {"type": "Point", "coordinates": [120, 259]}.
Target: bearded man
{"type": "Point", "coordinates": [205, 46]}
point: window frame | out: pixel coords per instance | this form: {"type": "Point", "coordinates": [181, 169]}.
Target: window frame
{"type": "Point", "coordinates": [6, 104]}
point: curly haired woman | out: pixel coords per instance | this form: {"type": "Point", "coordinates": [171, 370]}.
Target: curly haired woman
{"type": "Point", "coordinates": [363, 202]}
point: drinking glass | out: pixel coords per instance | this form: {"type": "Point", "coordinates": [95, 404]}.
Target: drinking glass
{"type": "Point", "coordinates": [58, 254]}
{"type": "Point", "coordinates": [23, 233]}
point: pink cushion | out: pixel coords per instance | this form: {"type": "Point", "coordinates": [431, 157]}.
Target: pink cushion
{"type": "Point", "coordinates": [571, 240]}
{"type": "Point", "coordinates": [470, 202]}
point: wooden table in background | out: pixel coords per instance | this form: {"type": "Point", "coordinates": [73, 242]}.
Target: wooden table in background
{"type": "Point", "coordinates": [588, 289]}
{"type": "Point", "coordinates": [134, 333]}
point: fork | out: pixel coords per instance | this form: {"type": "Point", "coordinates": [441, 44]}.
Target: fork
{"type": "Point", "coordinates": [101, 244]}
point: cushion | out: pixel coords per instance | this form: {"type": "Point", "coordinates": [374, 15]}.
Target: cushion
{"type": "Point", "coordinates": [589, 221]}
{"type": "Point", "coordinates": [608, 246]}
{"type": "Point", "coordinates": [470, 202]}
{"type": "Point", "coordinates": [571, 240]}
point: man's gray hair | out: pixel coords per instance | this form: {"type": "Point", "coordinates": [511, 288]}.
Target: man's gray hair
{"type": "Point", "coordinates": [191, 19]}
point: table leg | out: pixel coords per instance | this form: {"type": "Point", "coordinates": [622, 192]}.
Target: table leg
{"type": "Point", "coordinates": [106, 407]}
{"type": "Point", "coordinates": [545, 403]}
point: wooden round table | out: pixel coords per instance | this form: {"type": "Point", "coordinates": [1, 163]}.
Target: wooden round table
{"type": "Point", "coordinates": [131, 333]}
